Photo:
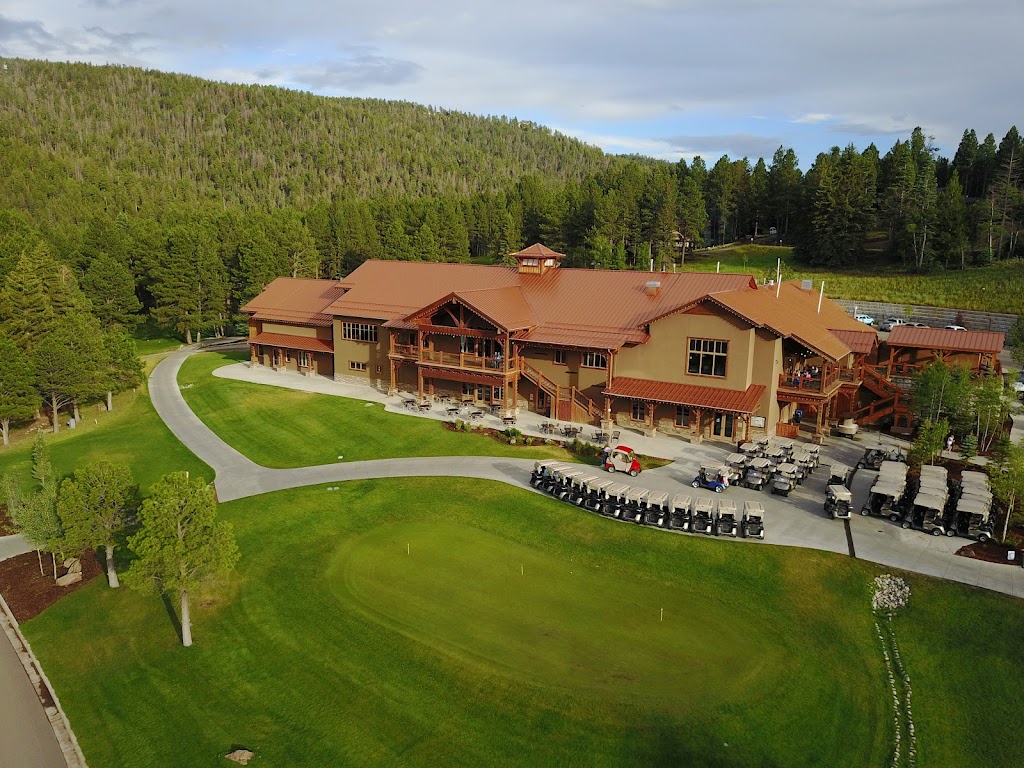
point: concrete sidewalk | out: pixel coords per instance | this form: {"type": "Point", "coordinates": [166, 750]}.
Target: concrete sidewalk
{"type": "Point", "coordinates": [798, 520]}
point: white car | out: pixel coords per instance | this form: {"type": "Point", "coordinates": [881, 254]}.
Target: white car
{"type": "Point", "coordinates": [955, 328]}
{"type": "Point", "coordinates": [866, 319]}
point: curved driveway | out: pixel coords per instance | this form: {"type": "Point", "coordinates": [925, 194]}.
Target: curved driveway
{"type": "Point", "coordinates": [796, 521]}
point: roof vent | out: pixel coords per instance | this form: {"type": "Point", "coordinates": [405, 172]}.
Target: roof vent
{"type": "Point", "coordinates": [653, 288]}
{"type": "Point", "coordinates": [807, 285]}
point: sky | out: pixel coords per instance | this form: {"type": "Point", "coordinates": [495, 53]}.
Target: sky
{"type": "Point", "coordinates": [664, 78]}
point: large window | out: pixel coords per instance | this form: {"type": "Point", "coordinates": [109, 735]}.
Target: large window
{"type": "Point", "coordinates": [594, 360]}
{"type": "Point", "coordinates": [639, 411]}
{"type": "Point", "coordinates": [682, 416]}
{"type": "Point", "coordinates": [356, 366]}
{"type": "Point", "coordinates": [560, 358]}
{"type": "Point", "coordinates": [359, 332]}
{"type": "Point", "coordinates": [304, 361]}
{"type": "Point", "coordinates": [707, 357]}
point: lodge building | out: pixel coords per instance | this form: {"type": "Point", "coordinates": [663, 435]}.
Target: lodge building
{"type": "Point", "coordinates": [699, 355]}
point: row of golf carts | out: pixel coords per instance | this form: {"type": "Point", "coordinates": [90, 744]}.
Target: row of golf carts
{"type": "Point", "coordinates": [579, 486]}
{"type": "Point", "coordinates": [931, 503]}
{"type": "Point", "coordinates": [760, 467]}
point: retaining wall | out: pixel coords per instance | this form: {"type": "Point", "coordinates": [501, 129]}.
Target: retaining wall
{"type": "Point", "coordinates": [937, 317]}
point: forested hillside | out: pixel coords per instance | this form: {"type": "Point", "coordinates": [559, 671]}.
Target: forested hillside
{"type": "Point", "coordinates": [187, 197]}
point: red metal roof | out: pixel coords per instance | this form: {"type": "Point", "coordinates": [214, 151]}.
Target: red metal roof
{"type": "Point", "coordinates": [287, 341]}
{"type": "Point", "coordinates": [648, 390]}
{"type": "Point", "coordinates": [940, 338]}
{"type": "Point", "coordinates": [296, 300]}
{"type": "Point", "coordinates": [859, 342]}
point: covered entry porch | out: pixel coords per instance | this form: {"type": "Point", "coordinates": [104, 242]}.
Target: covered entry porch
{"type": "Point", "coordinates": [283, 352]}
{"type": "Point", "coordinates": [687, 410]}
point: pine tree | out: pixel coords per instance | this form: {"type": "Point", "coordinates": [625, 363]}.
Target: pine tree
{"type": "Point", "coordinates": [110, 287]}
{"type": "Point", "coordinates": [71, 364]}
{"type": "Point", "coordinates": [18, 396]}
{"type": "Point", "coordinates": [125, 367]}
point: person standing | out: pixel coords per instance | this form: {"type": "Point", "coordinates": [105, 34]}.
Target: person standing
{"type": "Point", "coordinates": [949, 442]}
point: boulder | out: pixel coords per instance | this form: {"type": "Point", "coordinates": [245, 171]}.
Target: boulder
{"type": "Point", "coordinates": [240, 756]}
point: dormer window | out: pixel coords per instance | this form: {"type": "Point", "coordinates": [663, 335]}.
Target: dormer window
{"type": "Point", "coordinates": [534, 262]}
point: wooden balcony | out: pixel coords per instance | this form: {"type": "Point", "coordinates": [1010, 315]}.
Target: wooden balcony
{"type": "Point", "coordinates": [405, 351]}
{"type": "Point", "coordinates": [796, 388]}
{"type": "Point", "coordinates": [465, 361]}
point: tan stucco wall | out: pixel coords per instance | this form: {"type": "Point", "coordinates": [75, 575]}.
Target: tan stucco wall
{"type": "Point", "coordinates": [767, 365]}
{"type": "Point", "coordinates": [296, 330]}
{"type": "Point", "coordinates": [664, 357]}
{"type": "Point", "coordinates": [374, 355]}
{"type": "Point", "coordinates": [590, 381]}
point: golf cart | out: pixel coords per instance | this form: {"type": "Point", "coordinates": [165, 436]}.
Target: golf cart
{"type": "Point", "coordinates": [753, 519]}
{"type": "Point", "coordinates": [805, 461]}
{"type": "Point", "coordinates": [785, 479]}
{"type": "Point", "coordinates": [927, 513]}
{"type": "Point", "coordinates": [595, 498]}
{"type": "Point", "coordinates": [614, 500]}
{"type": "Point", "coordinates": [703, 515]}
{"type": "Point", "coordinates": [788, 449]}
{"type": "Point", "coordinates": [776, 456]}
{"type": "Point", "coordinates": [681, 518]}
{"type": "Point", "coordinates": [885, 500]}
{"type": "Point", "coordinates": [873, 457]}
{"type": "Point", "coordinates": [542, 476]}
{"type": "Point", "coordinates": [838, 501]}
{"type": "Point", "coordinates": [564, 482]}
{"type": "Point", "coordinates": [751, 451]}
{"type": "Point", "coordinates": [972, 519]}
{"type": "Point", "coordinates": [737, 464]}
{"type": "Point", "coordinates": [758, 474]}
{"type": "Point", "coordinates": [633, 509]}
{"type": "Point", "coordinates": [815, 452]}
{"type": "Point", "coordinates": [712, 476]}
{"type": "Point", "coordinates": [622, 459]}
{"type": "Point", "coordinates": [727, 520]}
{"type": "Point", "coordinates": [656, 509]}
{"type": "Point", "coordinates": [840, 474]}
{"type": "Point", "coordinates": [762, 444]}
{"type": "Point", "coordinates": [578, 489]}
{"type": "Point", "coordinates": [847, 428]}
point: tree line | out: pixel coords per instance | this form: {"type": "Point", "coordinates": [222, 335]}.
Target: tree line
{"type": "Point", "coordinates": [181, 199]}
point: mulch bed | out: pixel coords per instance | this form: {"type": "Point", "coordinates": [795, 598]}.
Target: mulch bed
{"type": "Point", "coordinates": [28, 593]}
{"type": "Point", "coordinates": [994, 552]}
{"type": "Point", "coordinates": [6, 526]}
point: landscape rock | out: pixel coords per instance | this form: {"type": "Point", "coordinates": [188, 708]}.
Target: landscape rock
{"type": "Point", "coordinates": [240, 756]}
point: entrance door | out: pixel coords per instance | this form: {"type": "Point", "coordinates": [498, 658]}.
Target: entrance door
{"type": "Point", "coordinates": [723, 425]}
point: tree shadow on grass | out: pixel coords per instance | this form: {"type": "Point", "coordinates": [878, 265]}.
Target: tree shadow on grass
{"type": "Point", "coordinates": [171, 613]}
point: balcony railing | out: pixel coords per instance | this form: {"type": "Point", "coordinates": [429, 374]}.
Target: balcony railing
{"type": "Point", "coordinates": [820, 384]}
{"type": "Point", "coordinates": [408, 351]}
{"type": "Point", "coordinates": [471, 361]}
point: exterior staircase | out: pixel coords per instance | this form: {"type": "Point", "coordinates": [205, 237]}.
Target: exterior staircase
{"type": "Point", "coordinates": [891, 398]}
{"type": "Point", "coordinates": [568, 403]}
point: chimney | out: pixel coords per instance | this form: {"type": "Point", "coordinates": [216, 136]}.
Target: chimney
{"type": "Point", "coordinates": [653, 288]}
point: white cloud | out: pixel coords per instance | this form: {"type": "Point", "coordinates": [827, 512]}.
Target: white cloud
{"type": "Point", "coordinates": [812, 118]}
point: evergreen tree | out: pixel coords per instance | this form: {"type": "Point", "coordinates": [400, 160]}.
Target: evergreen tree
{"type": "Point", "coordinates": [180, 544]}
{"type": "Point", "coordinates": [18, 396]}
{"type": "Point", "coordinates": [71, 364]}
{"type": "Point", "coordinates": [190, 286]}
{"type": "Point", "coordinates": [17, 237]}
{"type": "Point", "coordinates": [125, 367]}
{"type": "Point", "coordinates": [95, 507]}
{"type": "Point", "coordinates": [110, 287]}
{"type": "Point", "coordinates": [951, 240]}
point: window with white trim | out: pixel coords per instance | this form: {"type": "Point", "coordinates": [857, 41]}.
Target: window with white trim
{"type": "Point", "coordinates": [353, 365]}
{"type": "Point", "coordinates": [707, 357]}
{"type": "Point", "coordinates": [304, 359]}
{"type": "Point", "coordinates": [359, 332]}
{"type": "Point", "coordinates": [287, 355]}
{"type": "Point", "coordinates": [639, 411]}
{"type": "Point", "coordinates": [594, 360]}
{"type": "Point", "coordinates": [560, 357]}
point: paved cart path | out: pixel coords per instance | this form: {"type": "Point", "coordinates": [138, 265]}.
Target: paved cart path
{"type": "Point", "coordinates": [794, 521]}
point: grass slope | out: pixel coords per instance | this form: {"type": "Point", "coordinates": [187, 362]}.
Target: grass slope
{"type": "Point", "coordinates": [520, 631]}
{"type": "Point", "coordinates": [132, 434]}
{"type": "Point", "coordinates": [282, 428]}
{"type": "Point", "coordinates": [996, 288]}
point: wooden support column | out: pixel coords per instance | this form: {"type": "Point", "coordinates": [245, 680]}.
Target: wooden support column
{"type": "Point", "coordinates": [393, 385]}
{"type": "Point", "coordinates": [419, 383]}
{"type": "Point", "coordinates": [514, 407]}
{"type": "Point", "coordinates": [746, 428]}
{"type": "Point", "coordinates": [652, 422]}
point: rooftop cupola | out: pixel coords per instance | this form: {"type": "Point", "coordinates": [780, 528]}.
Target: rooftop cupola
{"type": "Point", "coordinates": [537, 259]}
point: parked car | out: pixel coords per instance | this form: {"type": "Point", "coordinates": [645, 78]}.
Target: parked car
{"type": "Point", "coordinates": [866, 319]}
{"type": "Point", "coordinates": [918, 325]}
{"type": "Point", "coordinates": [892, 322]}
{"type": "Point", "coordinates": [955, 328]}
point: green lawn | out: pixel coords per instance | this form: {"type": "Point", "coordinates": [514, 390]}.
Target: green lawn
{"type": "Point", "coordinates": [995, 288]}
{"type": "Point", "coordinates": [278, 427]}
{"type": "Point", "coordinates": [132, 433]}
{"type": "Point", "coordinates": [516, 630]}
{"type": "Point", "coordinates": [151, 339]}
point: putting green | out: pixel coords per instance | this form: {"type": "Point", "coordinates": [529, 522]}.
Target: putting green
{"type": "Point", "coordinates": [556, 622]}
